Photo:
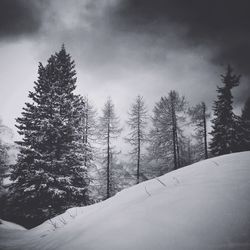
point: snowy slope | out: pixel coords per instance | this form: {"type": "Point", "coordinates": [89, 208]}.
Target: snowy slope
{"type": "Point", "coordinates": [202, 206]}
{"type": "Point", "coordinates": [10, 226]}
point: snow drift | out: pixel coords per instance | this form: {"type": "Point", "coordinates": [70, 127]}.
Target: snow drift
{"type": "Point", "coordinates": [202, 206]}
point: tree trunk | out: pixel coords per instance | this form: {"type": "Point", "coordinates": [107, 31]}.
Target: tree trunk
{"type": "Point", "coordinates": [86, 136]}
{"type": "Point", "coordinates": [108, 161]}
{"type": "Point", "coordinates": [177, 146]}
{"type": "Point", "coordinates": [139, 148]}
{"type": "Point", "coordinates": [138, 164]}
{"type": "Point", "coordinates": [205, 130]}
{"type": "Point", "coordinates": [174, 133]}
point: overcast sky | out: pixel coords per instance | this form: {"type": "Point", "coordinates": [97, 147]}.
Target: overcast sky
{"type": "Point", "coordinates": [125, 47]}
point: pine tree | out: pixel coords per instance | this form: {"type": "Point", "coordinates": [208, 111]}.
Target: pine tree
{"type": "Point", "coordinates": [166, 132]}
{"type": "Point", "coordinates": [49, 176]}
{"type": "Point", "coordinates": [199, 118]}
{"type": "Point", "coordinates": [109, 129]}
{"type": "Point", "coordinates": [137, 137]}
{"type": "Point", "coordinates": [224, 126]}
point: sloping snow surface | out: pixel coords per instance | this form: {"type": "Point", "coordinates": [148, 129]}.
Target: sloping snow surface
{"type": "Point", "coordinates": [202, 206]}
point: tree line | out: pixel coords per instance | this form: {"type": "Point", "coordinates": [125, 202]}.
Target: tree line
{"type": "Point", "coordinates": [67, 155]}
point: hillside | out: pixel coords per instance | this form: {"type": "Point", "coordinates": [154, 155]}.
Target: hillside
{"type": "Point", "coordinates": [202, 206]}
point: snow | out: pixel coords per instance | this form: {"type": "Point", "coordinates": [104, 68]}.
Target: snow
{"type": "Point", "coordinates": [10, 225]}
{"type": "Point", "coordinates": [202, 206]}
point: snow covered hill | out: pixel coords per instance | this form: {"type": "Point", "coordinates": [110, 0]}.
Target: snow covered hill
{"type": "Point", "coordinates": [202, 206]}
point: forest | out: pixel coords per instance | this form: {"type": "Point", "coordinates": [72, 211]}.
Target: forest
{"type": "Point", "coordinates": [67, 155]}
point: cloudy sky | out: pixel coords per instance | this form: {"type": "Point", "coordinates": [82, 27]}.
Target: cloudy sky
{"type": "Point", "coordinates": [125, 47]}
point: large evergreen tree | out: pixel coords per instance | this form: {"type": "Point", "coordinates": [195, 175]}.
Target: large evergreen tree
{"type": "Point", "coordinates": [49, 176]}
{"type": "Point", "coordinates": [225, 138]}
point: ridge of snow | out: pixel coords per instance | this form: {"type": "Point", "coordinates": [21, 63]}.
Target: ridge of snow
{"type": "Point", "coordinates": [202, 206]}
{"type": "Point", "coordinates": [10, 225]}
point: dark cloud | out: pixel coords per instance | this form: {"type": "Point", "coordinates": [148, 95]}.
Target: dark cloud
{"type": "Point", "coordinates": [20, 17]}
{"type": "Point", "coordinates": [223, 25]}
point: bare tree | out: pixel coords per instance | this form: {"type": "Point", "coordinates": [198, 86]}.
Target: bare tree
{"type": "Point", "coordinates": [199, 118]}
{"type": "Point", "coordinates": [4, 150]}
{"type": "Point", "coordinates": [137, 137]}
{"type": "Point", "coordinates": [3, 160]}
{"type": "Point", "coordinates": [89, 129]}
{"type": "Point", "coordinates": [166, 132]}
{"type": "Point", "coordinates": [109, 129]}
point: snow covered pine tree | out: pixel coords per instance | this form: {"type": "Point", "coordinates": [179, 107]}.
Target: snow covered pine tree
{"type": "Point", "coordinates": [225, 138]}
{"type": "Point", "coordinates": [49, 176]}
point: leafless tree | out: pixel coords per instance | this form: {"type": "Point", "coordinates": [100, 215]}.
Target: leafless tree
{"type": "Point", "coordinates": [166, 131]}
{"type": "Point", "coordinates": [137, 136]}
{"type": "Point", "coordinates": [199, 118]}
{"type": "Point", "coordinates": [109, 129]}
